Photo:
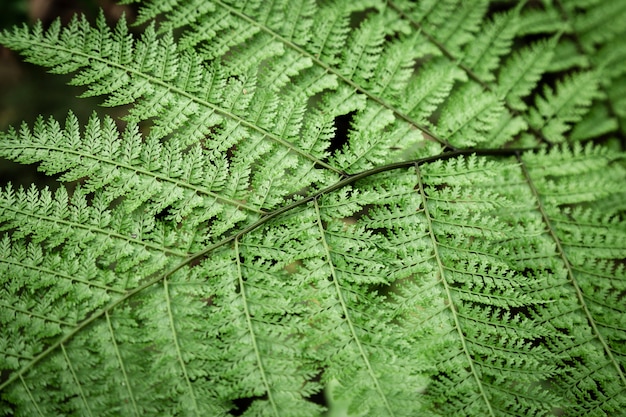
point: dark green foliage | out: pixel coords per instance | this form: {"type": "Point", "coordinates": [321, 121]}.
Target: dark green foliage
{"type": "Point", "coordinates": [457, 250]}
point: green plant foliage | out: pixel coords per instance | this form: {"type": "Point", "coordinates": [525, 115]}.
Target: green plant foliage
{"type": "Point", "coordinates": [322, 208]}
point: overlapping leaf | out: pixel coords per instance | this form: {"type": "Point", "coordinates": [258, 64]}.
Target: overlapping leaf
{"type": "Point", "coordinates": [287, 216]}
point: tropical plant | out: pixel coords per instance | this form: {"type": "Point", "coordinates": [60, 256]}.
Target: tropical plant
{"type": "Point", "coordinates": [381, 208]}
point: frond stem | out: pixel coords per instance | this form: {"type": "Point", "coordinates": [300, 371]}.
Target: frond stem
{"type": "Point", "coordinates": [30, 396]}
{"type": "Point", "coordinates": [170, 317]}
{"type": "Point", "coordinates": [257, 353]}
{"type": "Point", "coordinates": [121, 362]}
{"type": "Point", "coordinates": [76, 381]}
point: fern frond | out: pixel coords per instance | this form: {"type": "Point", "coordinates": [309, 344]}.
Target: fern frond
{"type": "Point", "coordinates": [156, 176]}
{"type": "Point", "coordinates": [452, 23]}
{"type": "Point", "coordinates": [537, 20]}
{"type": "Point", "coordinates": [593, 29]}
{"type": "Point", "coordinates": [483, 53]}
{"type": "Point", "coordinates": [591, 266]}
{"type": "Point", "coordinates": [55, 219]}
{"type": "Point", "coordinates": [184, 101]}
{"type": "Point", "coordinates": [470, 278]}
{"type": "Point", "coordinates": [468, 128]}
{"type": "Point", "coordinates": [476, 61]}
{"type": "Point", "coordinates": [565, 104]}
{"type": "Point", "coordinates": [86, 256]}
{"type": "Point", "coordinates": [429, 89]}
{"type": "Point", "coordinates": [319, 208]}
{"type": "Point", "coordinates": [520, 73]}
{"type": "Point", "coordinates": [329, 48]}
{"type": "Point", "coordinates": [600, 24]}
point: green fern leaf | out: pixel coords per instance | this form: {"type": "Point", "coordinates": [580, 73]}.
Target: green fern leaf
{"type": "Point", "coordinates": [330, 208]}
{"type": "Point", "coordinates": [493, 42]}
{"type": "Point", "coordinates": [519, 75]}
{"type": "Point", "coordinates": [567, 104]}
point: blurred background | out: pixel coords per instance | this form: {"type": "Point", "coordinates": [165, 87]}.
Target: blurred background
{"type": "Point", "coordinates": [27, 91]}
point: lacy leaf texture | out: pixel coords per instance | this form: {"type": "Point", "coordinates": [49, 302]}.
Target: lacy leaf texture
{"type": "Point", "coordinates": [323, 208]}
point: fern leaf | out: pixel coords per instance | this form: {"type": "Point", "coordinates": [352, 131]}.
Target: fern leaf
{"type": "Point", "coordinates": [452, 23]}
{"type": "Point", "coordinates": [483, 54]}
{"type": "Point", "coordinates": [519, 75]}
{"type": "Point", "coordinates": [589, 261]}
{"type": "Point", "coordinates": [165, 100]}
{"type": "Point", "coordinates": [55, 220]}
{"type": "Point", "coordinates": [537, 20]}
{"type": "Point", "coordinates": [147, 174]}
{"type": "Point", "coordinates": [317, 208]}
{"type": "Point", "coordinates": [330, 49]}
{"type": "Point", "coordinates": [596, 123]}
{"type": "Point", "coordinates": [428, 90]}
{"type": "Point", "coordinates": [600, 24]}
{"type": "Point", "coordinates": [566, 104]}
{"type": "Point", "coordinates": [468, 128]}
{"type": "Point", "coordinates": [461, 264]}
{"type": "Point", "coordinates": [365, 46]}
